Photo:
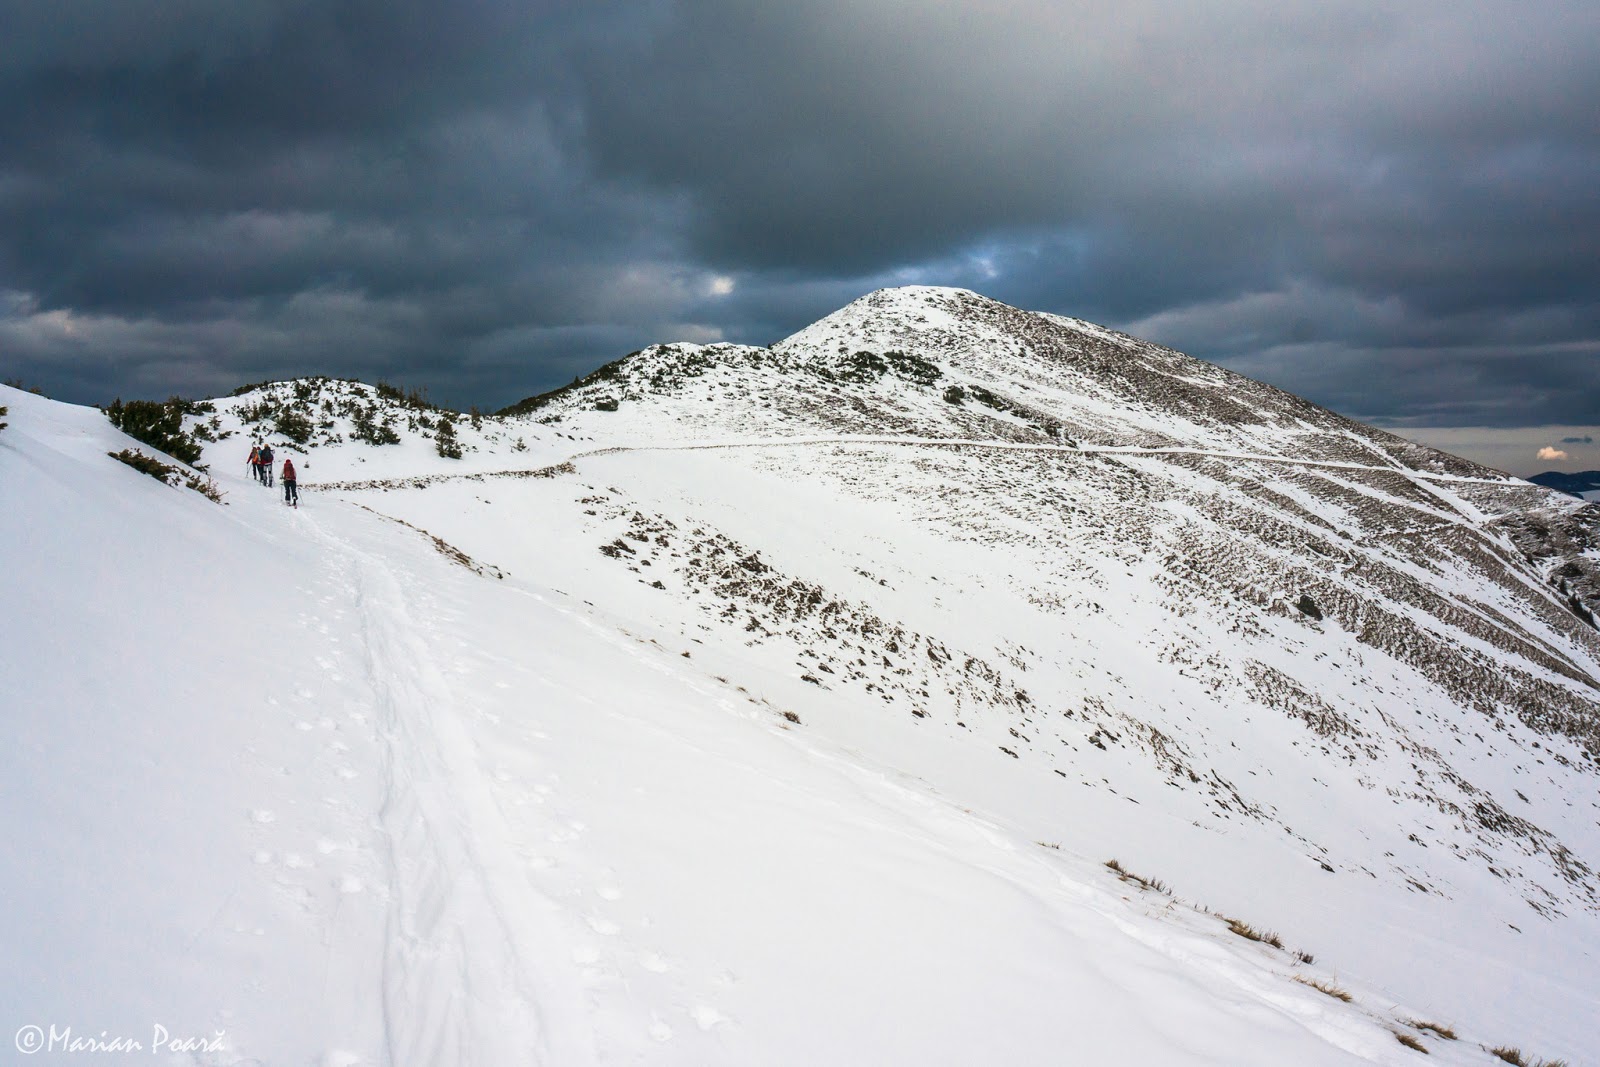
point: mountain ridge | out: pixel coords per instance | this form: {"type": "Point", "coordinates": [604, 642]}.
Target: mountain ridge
{"type": "Point", "coordinates": [979, 334]}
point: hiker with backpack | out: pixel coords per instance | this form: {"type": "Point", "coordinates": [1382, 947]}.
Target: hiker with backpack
{"type": "Point", "coordinates": [266, 466]}
{"type": "Point", "coordinates": [291, 495]}
{"type": "Point", "coordinates": [255, 462]}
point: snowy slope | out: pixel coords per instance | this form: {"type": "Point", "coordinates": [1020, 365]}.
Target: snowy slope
{"type": "Point", "coordinates": [511, 778]}
{"type": "Point", "coordinates": [351, 802]}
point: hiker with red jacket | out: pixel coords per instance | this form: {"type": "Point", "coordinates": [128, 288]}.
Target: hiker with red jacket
{"type": "Point", "coordinates": [291, 495]}
{"type": "Point", "coordinates": [255, 462]}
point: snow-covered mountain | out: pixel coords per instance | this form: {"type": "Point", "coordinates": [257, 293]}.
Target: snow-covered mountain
{"type": "Point", "coordinates": [783, 705]}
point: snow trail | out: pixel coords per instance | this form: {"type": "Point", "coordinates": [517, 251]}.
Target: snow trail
{"type": "Point", "coordinates": [464, 977]}
{"type": "Point", "coordinates": [1422, 478]}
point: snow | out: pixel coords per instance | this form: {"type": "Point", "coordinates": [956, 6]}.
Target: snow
{"type": "Point", "coordinates": [301, 778]}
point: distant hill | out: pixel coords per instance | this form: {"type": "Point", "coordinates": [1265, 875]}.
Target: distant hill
{"type": "Point", "coordinates": [1575, 484]}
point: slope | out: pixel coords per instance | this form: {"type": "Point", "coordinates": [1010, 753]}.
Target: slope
{"type": "Point", "coordinates": [1300, 647]}
{"type": "Point", "coordinates": [300, 785]}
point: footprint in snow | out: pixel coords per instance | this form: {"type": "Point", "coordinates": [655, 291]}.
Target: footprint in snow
{"type": "Point", "coordinates": [262, 816]}
{"type": "Point", "coordinates": [655, 963]}
{"type": "Point", "coordinates": [351, 885]}
{"type": "Point", "coordinates": [608, 893]}
{"type": "Point", "coordinates": [705, 1016]}
{"type": "Point", "coordinates": [661, 1031]}
{"type": "Point", "coordinates": [604, 927]}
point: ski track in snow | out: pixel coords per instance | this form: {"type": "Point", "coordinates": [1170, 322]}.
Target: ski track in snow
{"type": "Point", "coordinates": [465, 929]}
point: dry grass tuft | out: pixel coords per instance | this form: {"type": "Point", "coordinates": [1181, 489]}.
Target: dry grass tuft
{"type": "Point", "coordinates": [1410, 1042]}
{"type": "Point", "coordinates": [1128, 876]}
{"type": "Point", "coordinates": [1443, 1031]}
{"type": "Point", "coordinates": [1325, 987]}
{"type": "Point", "coordinates": [1245, 930]}
{"type": "Point", "coordinates": [1514, 1056]}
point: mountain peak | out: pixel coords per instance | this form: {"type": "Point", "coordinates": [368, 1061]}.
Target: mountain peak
{"type": "Point", "coordinates": [909, 307]}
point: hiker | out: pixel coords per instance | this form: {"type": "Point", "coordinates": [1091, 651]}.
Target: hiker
{"type": "Point", "coordinates": [266, 466]}
{"type": "Point", "coordinates": [291, 495]}
{"type": "Point", "coordinates": [255, 462]}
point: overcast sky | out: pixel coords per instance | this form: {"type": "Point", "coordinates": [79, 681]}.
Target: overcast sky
{"type": "Point", "coordinates": [1391, 209]}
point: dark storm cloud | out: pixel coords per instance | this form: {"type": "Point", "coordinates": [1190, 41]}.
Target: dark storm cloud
{"type": "Point", "coordinates": [1439, 160]}
{"type": "Point", "coordinates": [384, 145]}
{"type": "Point", "coordinates": [191, 195]}
{"type": "Point", "coordinates": [1389, 209]}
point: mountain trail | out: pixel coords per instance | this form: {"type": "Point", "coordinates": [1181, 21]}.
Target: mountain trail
{"type": "Point", "coordinates": [463, 978]}
{"type": "Point", "coordinates": [550, 470]}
